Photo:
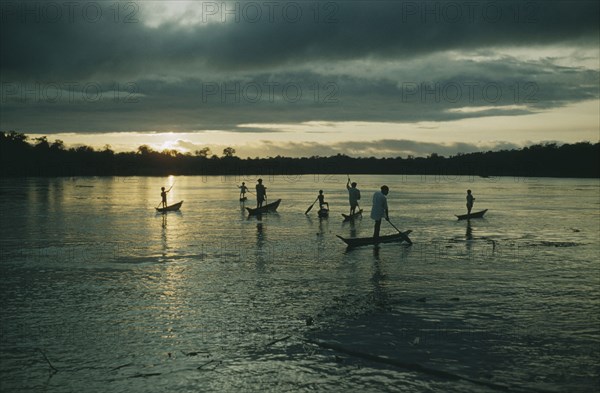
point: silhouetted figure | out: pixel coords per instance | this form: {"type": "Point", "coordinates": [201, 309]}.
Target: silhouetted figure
{"type": "Point", "coordinates": [321, 199]}
{"type": "Point", "coordinates": [380, 208]}
{"type": "Point", "coordinates": [261, 193]}
{"type": "Point", "coordinates": [243, 190]}
{"type": "Point", "coordinates": [353, 196]}
{"type": "Point", "coordinates": [470, 200]}
{"type": "Point", "coordinates": [163, 196]}
{"type": "Point", "coordinates": [323, 206]}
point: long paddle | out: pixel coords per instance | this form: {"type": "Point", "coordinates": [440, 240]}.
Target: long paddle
{"type": "Point", "coordinates": [311, 206]}
{"type": "Point", "coordinates": [402, 235]}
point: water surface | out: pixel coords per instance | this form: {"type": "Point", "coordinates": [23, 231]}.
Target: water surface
{"type": "Point", "coordinates": [119, 298]}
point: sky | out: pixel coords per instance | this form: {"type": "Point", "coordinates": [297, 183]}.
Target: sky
{"type": "Point", "coordinates": [302, 78]}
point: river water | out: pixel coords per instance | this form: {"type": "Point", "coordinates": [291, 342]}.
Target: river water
{"type": "Point", "coordinates": [100, 293]}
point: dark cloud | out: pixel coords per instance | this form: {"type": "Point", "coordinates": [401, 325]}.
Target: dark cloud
{"type": "Point", "coordinates": [377, 148]}
{"type": "Point", "coordinates": [35, 47]}
{"type": "Point", "coordinates": [383, 61]}
{"type": "Point", "coordinates": [191, 104]}
{"type": "Point", "coordinates": [402, 147]}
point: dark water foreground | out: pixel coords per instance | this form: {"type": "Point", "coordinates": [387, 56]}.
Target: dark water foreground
{"type": "Point", "coordinates": [101, 294]}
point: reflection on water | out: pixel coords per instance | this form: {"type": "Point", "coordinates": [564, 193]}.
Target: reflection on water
{"type": "Point", "coordinates": [469, 234]}
{"type": "Point", "coordinates": [352, 225]}
{"type": "Point", "coordinates": [262, 245]}
{"type": "Point", "coordinates": [108, 288]}
{"type": "Point", "coordinates": [260, 235]}
{"type": "Point", "coordinates": [380, 299]}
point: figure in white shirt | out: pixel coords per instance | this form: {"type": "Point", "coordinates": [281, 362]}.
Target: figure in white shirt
{"type": "Point", "coordinates": [380, 208]}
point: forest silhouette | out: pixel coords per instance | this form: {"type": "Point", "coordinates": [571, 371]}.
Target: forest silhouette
{"type": "Point", "coordinates": [40, 157]}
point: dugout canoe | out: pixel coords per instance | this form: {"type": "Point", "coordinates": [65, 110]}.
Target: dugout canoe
{"type": "Point", "coordinates": [271, 207]}
{"type": "Point", "coordinates": [350, 217]}
{"type": "Point", "coordinates": [171, 208]}
{"type": "Point", "coordinates": [472, 215]}
{"type": "Point", "coordinates": [365, 241]}
{"type": "Point", "coordinates": [323, 212]}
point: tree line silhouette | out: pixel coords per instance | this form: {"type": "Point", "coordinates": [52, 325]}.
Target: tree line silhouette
{"type": "Point", "coordinates": [40, 157]}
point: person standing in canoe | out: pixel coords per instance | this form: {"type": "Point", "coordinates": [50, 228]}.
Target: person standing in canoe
{"type": "Point", "coordinates": [163, 196]}
{"type": "Point", "coordinates": [243, 190]}
{"type": "Point", "coordinates": [261, 193]}
{"type": "Point", "coordinates": [321, 199]}
{"type": "Point", "coordinates": [470, 200]}
{"type": "Point", "coordinates": [353, 196]}
{"type": "Point", "coordinates": [379, 209]}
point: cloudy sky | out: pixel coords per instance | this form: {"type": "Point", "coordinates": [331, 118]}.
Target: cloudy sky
{"type": "Point", "coordinates": [301, 78]}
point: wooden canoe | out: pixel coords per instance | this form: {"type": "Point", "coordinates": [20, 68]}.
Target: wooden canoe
{"type": "Point", "coordinates": [349, 217]}
{"type": "Point", "coordinates": [171, 208]}
{"type": "Point", "coordinates": [323, 212]}
{"type": "Point", "coordinates": [365, 241]}
{"type": "Point", "coordinates": [472, 215]}
{"type": "Point", "coordinates": [271, 207]}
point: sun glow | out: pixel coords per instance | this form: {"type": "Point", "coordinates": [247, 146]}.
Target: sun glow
{"type": "Point", "coordinates": [572, 123]}
{"type": "Point", "coordinates": [182, 13]}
